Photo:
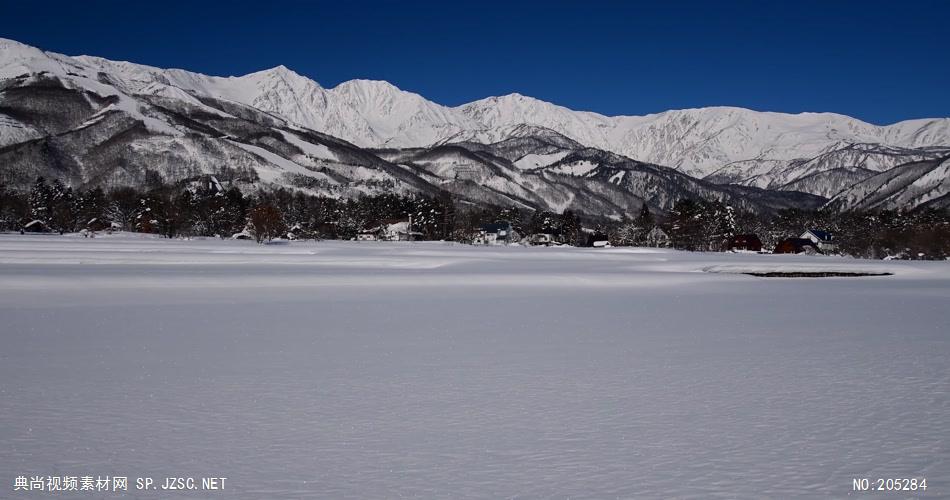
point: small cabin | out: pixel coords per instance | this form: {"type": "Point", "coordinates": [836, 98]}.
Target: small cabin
{"type": "Point", "coordinates": [368, 235]}
{"type": "Point", "coordinates": [98, 224]}
{"type": "Point", "coordinates": [597, 240]}
{"type": "Point", "coordinates": [36, 226]}
{"type": "Point", "coordinates": [744, 243]}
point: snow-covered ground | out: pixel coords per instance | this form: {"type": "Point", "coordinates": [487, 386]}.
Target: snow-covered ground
{"type": "Point", "coordinates": [429, 370]}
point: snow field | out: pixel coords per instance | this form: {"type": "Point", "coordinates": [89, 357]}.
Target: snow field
{"type": "Point", "coordinates": [380, 370]}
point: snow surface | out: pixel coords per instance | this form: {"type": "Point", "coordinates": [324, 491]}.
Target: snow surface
{"type": "Point", "coordinates": [315, 150]}
{"type": "Point", "coordinates": [578, 168]}
{"type": "Point", "coordinates": [13, 131]}
{"type": "Point", "coordinates": [531, 161]}
{"type": "Point", "coordinates": [282, 164]}
{"type": "Point", "coordinates": [382, 370]}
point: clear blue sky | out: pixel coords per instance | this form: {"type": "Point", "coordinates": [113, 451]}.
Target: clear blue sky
{"type": "Point", "coordinates": [878, 61]}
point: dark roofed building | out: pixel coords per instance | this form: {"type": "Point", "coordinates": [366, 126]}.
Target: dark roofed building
{"type": "Point", "coordinates": [496, 227]}
{"type": "Point", "coordinates": [796, 245]}
{"type": "Point", "coordinates": [596, 239]}
{"type": "Point", "coordinates": [36, 226]}
{"type": "Point", "coordinates": [819, 234]}
{"type": "Point", "coordinates": [747, 242]}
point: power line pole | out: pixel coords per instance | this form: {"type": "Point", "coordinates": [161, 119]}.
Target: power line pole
{"type": "Point", "coordinates": [462, 173]}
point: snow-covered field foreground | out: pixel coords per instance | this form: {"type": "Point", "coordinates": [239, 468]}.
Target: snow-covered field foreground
{"type": "Point", "coordinates": [374, 370]}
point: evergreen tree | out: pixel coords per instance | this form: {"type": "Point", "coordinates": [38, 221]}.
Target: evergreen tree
{"type": "Point", "coordinates": [14, 208]}
{"type": "Point", "coordinates": [62, 205]}
{"type": "Point", "coordinates": [570, 227]}
{"type": "Point", "coordinates": [544, 222]}
{"type": "Point", "coordinates": [645, 219]}
{"type": "Point", "coordinates": [516, 217]}
{"type": "Point", "coordinates": [686, 228]}
{"type": "Point", "coordinates": [91, 208]}
{"type": "Point", "coordinates": [41, 196]}
{"type": "Point", "coordinates": [234, 217]}
{"type": "Point", "coordinates": [718, 225]}
{"type": "Point", "coordinates": [124, 208]}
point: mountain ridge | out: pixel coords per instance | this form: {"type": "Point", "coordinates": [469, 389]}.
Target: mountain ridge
{"type": "Point", "coordinates": [411, 120]}
{"type": "Point", "coordinates": [188, 122]}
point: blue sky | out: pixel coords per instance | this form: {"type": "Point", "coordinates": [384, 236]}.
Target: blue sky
{"type": "Point", "coordinates": [878, 61]}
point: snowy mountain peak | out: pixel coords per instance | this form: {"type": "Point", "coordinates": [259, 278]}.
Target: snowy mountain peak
{"type": "Point", "coordinates": [10, 47]}
{"type": "Point", "coordinates": [280, 68]}
{"type": "Point", "coordinates": [513, 97]}
{"type": "Point", "coordinates": [17, 59]}
{"type": "Point", "coordinates": [363, 91]}
{"type": "Point", "coordinates": [281, 72]}
{"type": "Point", "coordinates": [374, 113]}
{"type": "Point", "coordinates": [511, 104]}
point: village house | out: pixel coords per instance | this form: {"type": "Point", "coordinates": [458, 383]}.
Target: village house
{"type": "Point", "coordinates": [36, 226]}
{"type": "Point", "coordinates": [546, 239]}
{"type": "Point", "coordinates": [796, 245]}
{"type": "Point", "coordinates": [389, 230]}
{"type": "Point", "coordinates": [744, 243]}
{"type": "Point", "coordinates": [595, 239]}
{"type": "Point", "coordinates": [822, 239]}
{"type": "Point", "coordinates": [97, 224]}
{"type": "Point", "coordinates": [368, 235]}
{"type": "Point", "coordinates": [497, 233]}
{"type": "Point", "coordinates": [399, 231]}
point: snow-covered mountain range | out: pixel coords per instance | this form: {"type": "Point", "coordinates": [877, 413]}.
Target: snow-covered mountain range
{"type": "Point", "coordinates": [91, 119]}
{"type": "Point", "coordinates": [923, 183]}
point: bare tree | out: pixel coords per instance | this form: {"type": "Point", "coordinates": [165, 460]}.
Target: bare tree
{"type": "Point", "coordinates": [266, 222]}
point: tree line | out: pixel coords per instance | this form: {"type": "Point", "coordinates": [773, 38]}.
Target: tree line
{"type": "Point", "coordinates": [917, 234]}
{"type": "Point", "coordinates": [204, 207]}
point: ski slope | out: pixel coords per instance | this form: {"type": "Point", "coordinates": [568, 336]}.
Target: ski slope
{"type": "Point", "coordinates": [431, 370]}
